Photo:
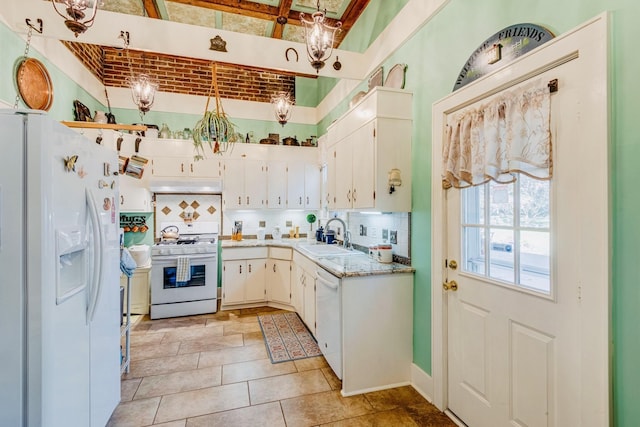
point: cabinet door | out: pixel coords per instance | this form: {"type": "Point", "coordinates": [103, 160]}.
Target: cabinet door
{"type": "Point", "coordinates": [255, 184]}
{"type": "Point", "coordinates": [233, 194]}
{"type": "Point", "coordinates": [133, 198]}
{"type": "Point", "coordinates": [311, 186]}
{"type": "Point", "coordinates": [363, 178]}
{"type": "Point", "coordinates": [277, 185]}
{"type": "Point", "coordinates": [233, 281]}
{"type": "Point", "coordinates": [205, 168]}
{"type": "Point", "coordinates": [171, 167]}
{"type": "Point", "coordinates": [343, 171]}
{"type": "Point", "coordinates": [279, 279]}
{"type": "Point", "coordinates": [295, 189]}
{"type": "Point", "coordinates": [297, 290]}
{"type": "Point", "coordinates": [139, 292]}
{"type": "Point", "coordinates": [254, 288]}
{"type": "Point", "coordinates": [310, 302]}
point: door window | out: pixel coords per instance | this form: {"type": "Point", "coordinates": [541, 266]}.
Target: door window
{"type": "Point", "coordinates": [506, 235]}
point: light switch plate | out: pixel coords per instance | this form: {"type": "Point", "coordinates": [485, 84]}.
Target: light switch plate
{"type": "Point", "coordinates": [394, 237]}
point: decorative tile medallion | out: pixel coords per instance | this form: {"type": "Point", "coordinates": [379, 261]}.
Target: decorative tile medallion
{"type": "Point", "coordinates": [196, 215]}
{"type": "Point", "coordinates": [183, 204]}
{"type": "Point", "coordinates": [166, 210]}
{"type": "Point", "coordinates": [195, 204]}
{"type": "Point", "coordinates": [211, 209]}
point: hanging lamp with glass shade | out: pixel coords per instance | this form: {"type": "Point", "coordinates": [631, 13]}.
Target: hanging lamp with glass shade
{"type": "Point", "coordinates": [143, 86]}
{"type": "Point", "coordinates": [78, 14]}
{"type": "Point", "coordinates": [319, 37]}
{"type": "Point", "coordinates": [283, 106]}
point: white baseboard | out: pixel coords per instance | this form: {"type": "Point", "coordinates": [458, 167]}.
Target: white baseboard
{"type": "Point", "coordinates": [422, 382]}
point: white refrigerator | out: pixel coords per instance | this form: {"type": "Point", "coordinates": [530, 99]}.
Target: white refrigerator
{"type": "Point", "coordinates": [59, 275]}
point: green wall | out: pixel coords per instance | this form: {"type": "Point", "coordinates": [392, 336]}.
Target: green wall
{"type": "Point", "coordinates": [435, 55]}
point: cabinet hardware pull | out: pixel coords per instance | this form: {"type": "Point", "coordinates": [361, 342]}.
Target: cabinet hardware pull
{"type": "Point", "coordinates": [247, 200]}
{"type": "Point", "coordinates": [354, 195]}
{"type": "Point", "coordinates": [240, 266]}
{"type": "Point", "coordinates": [278, 199]}
{"type": "Point", "coordinates": [121, 199]}
{"type": "Point", "coordinates": [349, 195]}
{"type": "Point", "coordinates": [181, 167]}
{"type": "Point", "coordinates": [239, 200]}
{"type": "Point", "coordinates": [307, 199]}
{"type": "Point", "coordinates": [191, 166]}
{"type": "Point", "coordinates": [249, 268]}
{"type": "Point", "coordinates": [274, 268]}
{"type": "Point", "coordinates": [300, 200]}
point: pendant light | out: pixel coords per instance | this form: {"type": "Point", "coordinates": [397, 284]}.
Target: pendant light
{"type": "Point", "coordinates": [283, 105]}
{"type": "Point", "coordinates": [319, 37]}
{"type": "Point", "coordinates": [78, 14]}
{"type": "Point", "coordinates": [143, 86]}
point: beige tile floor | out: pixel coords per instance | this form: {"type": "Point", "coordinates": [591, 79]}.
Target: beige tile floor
{"type": "Point", "coordinates": [214, 370]}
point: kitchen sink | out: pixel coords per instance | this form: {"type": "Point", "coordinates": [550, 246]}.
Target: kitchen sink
{"type": "Point", "coordinates": [326, 250]}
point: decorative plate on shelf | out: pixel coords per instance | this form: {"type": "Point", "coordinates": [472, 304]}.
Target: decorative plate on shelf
{"type": "Point", "coordinates": [356, 98]}
{"type": "Point", "coordinates": [376, 78]}
{"type": "Point", "coordinates": [395, 78]}
{"type": "Point", "coordinates": [34, 84]}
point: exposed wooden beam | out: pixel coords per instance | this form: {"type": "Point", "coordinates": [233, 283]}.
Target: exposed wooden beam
{"type": "Point", "coordinates": [349, 17]}
{"type": "Point", "coordinates": [285, 8]}
{"type": "Point", "coordinates": [151, 8]}
{"type": "Point", "coordinates": [242, 7]}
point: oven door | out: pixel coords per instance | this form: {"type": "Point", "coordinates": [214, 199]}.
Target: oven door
{"type": "Point", "coordinates": [165, 289]}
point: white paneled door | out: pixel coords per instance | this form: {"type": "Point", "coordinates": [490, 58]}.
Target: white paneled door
{"type": "Point", "coordinates": [521, 302]}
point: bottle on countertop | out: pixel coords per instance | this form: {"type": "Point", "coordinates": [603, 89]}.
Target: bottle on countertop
{"type": "Point", "coordinates": [247, 140]}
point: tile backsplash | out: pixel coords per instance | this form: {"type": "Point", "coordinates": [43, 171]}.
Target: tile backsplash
{"type": "Point", "coordinates": [252, 220]}
{"type": "Point", "coordinates": [175, 207]}
{"type": "Point", "coordinates": [369, 229]}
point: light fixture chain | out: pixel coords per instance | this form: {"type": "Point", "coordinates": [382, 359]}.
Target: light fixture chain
{"type": "Point", "coordinates": [26, 53]}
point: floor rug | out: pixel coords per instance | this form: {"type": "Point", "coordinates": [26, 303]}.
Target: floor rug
{"type": "Point", "coordinates": [287, 338]}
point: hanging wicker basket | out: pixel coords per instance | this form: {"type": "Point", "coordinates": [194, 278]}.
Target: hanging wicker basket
{"type": "Point", "coordinates": [214, 128]}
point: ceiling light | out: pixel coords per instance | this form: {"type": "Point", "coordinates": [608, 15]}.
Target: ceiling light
{"type": "Point", "coordinates": [79, 14]}
{"type": "Point", "coordinates": [143, 86]}
{"type": "Point", "coordinates": [319, 37]}
{"type": "Point", "coordinates": [283, 105]}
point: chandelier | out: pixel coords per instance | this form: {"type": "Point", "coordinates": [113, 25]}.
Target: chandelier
{"type": "Point", "coordinates": [79, 14]}
{"type": "Point", "coordinates": [319, 37]}
{"type": "Point", "coordinates": [143, 86]}
{"type": "Point", "coordinates": [283, 105]}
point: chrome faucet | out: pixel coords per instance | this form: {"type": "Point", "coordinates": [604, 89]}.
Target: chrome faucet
{"type": "Point", "coordinates": [346, 242]}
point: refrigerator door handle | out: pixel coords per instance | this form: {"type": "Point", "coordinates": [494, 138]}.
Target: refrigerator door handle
{"type": "Point", "coordinates": [98, 238]}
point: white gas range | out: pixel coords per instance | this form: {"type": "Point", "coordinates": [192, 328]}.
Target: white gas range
{"type": "Point", "coordinates": [184, 272]}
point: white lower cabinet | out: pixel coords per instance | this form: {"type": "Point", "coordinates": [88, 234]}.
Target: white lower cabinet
{"type": "Point", "coordinates": [304, 290]}
{"type": "Point", "coordinates": [279, 275]}
{"type": "Point", "coordinates": [243, 275]}
{"type": "Point", "coordinates": [140, 282]}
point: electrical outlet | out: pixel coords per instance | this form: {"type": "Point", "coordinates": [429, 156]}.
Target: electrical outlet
{"type": "Point", "coordinates": [363, 230]}
{"type": "Point", "coordinates": [385, 234]}
{"type": "Point", "coordinates": [288, 223]}
{"type": "Point", "coordinates": [262, 224]}
{"type": "Point", "coordinates": [394, 237]}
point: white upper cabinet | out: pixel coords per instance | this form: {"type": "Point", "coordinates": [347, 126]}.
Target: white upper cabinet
{"type": "Point", "coordinates": [312, 186]}
{"type": "Point", "coordinates": [364, 147]}
{"type": "Point", "coordinates": [277, 184]}
{"type": "Point", "coordinates": [245, 184]}
{"type": "Point", "coordinates": [296, 185]}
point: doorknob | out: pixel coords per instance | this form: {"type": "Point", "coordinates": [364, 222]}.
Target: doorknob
{"type": "Point", "coordinates": [450, 286]}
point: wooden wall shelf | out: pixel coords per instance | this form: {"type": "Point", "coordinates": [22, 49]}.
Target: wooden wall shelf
{"type": "Point", "coordinates": [93, 125]}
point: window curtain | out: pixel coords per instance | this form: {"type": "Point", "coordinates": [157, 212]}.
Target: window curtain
{"type": "Point", "coordinates": [507, 135]}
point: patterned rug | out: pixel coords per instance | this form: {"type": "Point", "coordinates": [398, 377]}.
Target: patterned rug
{"type": "Point", "coordinates": [287, 337]}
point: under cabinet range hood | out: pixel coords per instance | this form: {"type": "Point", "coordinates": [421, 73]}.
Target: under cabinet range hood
{"type": "Point", "coordinates": [187, 186]}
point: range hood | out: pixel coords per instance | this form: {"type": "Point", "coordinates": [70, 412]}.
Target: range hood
{"type": "Point", "coordinates": [189, 186]}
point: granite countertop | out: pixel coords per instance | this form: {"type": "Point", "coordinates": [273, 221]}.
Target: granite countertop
{"type": "Point", "coordinates": [354, 264]}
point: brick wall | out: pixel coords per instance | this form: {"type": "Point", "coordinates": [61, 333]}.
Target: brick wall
{"type": "Point", "coordinates": [182, 75]}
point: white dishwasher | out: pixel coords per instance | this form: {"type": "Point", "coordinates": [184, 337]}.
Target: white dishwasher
{"type": "Point", "coordinates": [329, 319]}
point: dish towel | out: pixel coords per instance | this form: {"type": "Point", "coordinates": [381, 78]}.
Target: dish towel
{"type": "Point", "coordinates": [127, 263]}
{"type": "Point", "coordinates": [183, 269]}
